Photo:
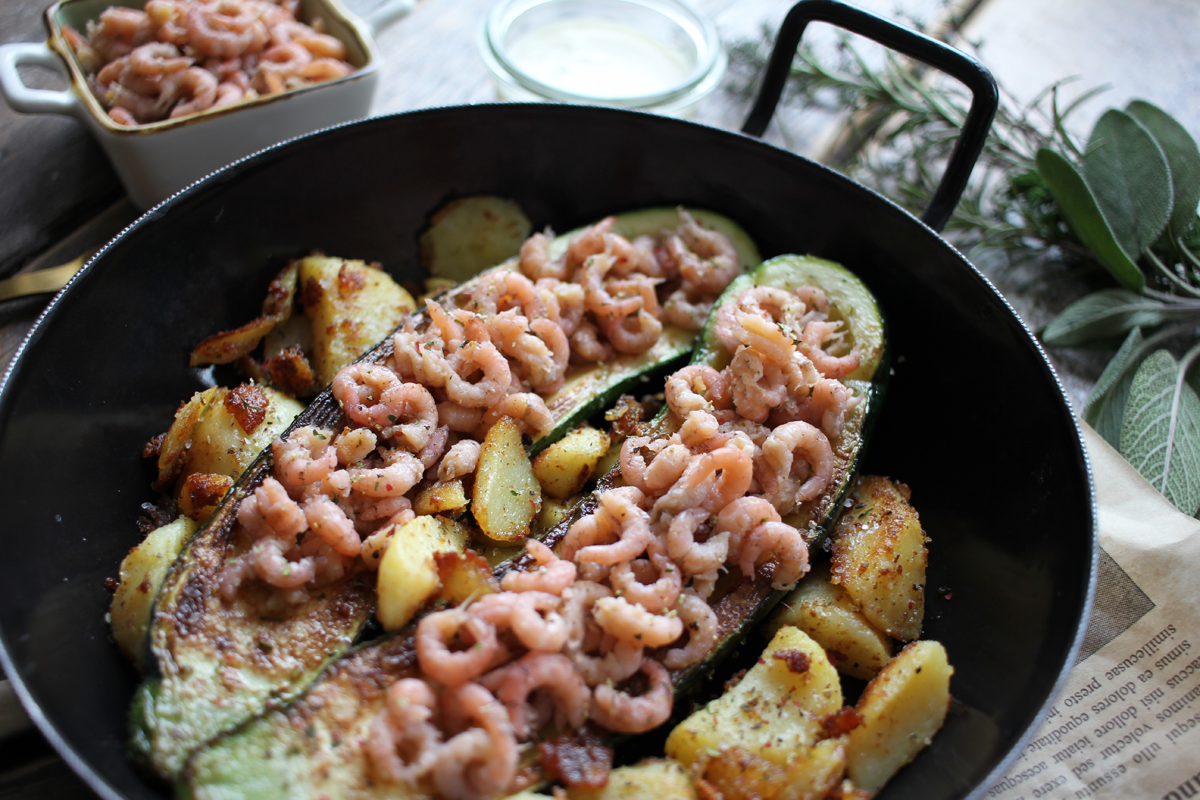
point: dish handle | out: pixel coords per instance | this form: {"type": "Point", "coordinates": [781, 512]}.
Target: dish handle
{"type": "Point", "coordinates": [34, 101]}
{"type": "Point", "coordinates": [985, 97]}
{"type": "Point", "coordinates": [386, 14]}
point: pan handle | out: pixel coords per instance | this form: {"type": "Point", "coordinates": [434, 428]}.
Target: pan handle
{"type": "Point", "coordinates": [985, 97]}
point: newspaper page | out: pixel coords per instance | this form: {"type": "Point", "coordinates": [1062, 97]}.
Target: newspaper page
{"type": "Point", "coordinates": [1127, 724]}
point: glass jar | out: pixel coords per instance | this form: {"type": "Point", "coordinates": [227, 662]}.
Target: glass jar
{"type": "Point", "coordinates": [651, 55]}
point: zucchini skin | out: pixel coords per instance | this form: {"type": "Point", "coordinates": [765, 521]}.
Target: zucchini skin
{"type": "Point", "coordinates": [291, 752]}
{"type": "Point", "coordinates": [211, 667]}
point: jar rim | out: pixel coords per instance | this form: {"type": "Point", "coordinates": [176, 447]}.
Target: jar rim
{"type": "Point", "coordinates": [710, 59]}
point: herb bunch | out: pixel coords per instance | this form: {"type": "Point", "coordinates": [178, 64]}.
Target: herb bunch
{"type": "Point", "coordinates": [1124, 202]}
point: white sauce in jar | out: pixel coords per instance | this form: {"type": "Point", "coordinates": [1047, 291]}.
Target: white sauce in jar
{"type": "Point", "coordinates": [597, 58]}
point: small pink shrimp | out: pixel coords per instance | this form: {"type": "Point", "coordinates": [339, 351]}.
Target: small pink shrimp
{"type": "Point", "coordinates": [305, 456]}
{"type": "Point", "coordinates": [541, 353]}
{"type": "Point", "coordinates": [409, 401]}
{"type": "Point", "coordinates": [779, 452]}
{"type": "Point", "coordinates": [550, 672]}
{"type": "Point", "coordinates": [738, 519]}
{"type": "Point", "coordinates": [692, 556]}
{"type": "Point", "coordinates": [551, 573]}
{"type": "Point", "coordinates": [525, 408]}
{"type": "Point", "coordinates": [359, 388]}
{"type": "Point", "coordinates": [683, 312]}
{"type": "Point", "coordinates": [491, 388]}
{"type": "Point", "coordinates": [782, 541]}
{"type": "Point", "coordinates": [711, 481]}
{"type": "Point", "coordinates": [353, 445]}
{"type": "Point", "coordinates": [431, 453]}
{"type": "Point", "coordinates": [225, 28]}
{"type": "Point", "coordinates": [637, 286]}
{"type": "Point", "coordinates": [632, 334]}
{"type": "Point", "coordinates": [635, 625]}
{"type": "Point", "coordinates": [812, 341]}
{"type": "Point", "coordinates": [459, 419]}
{"type": "Point", "coordinates": [448, 328]}
{"type": "Point", "coordinates": [460, 460]}
{"type": "Point", "coordinates": [228, 94]}
{"type": "Point", "coordinates": [586, 345]}
{"type": "Point", "coordinates": [391, 481]}
{"type": "Point", "coordinates": [665, 468]}
{"type": "Point", "coordinates": [324, 69]}
{"type": "Point", "coordinates": [536, 622]}
{"type": "Point", "coordinates": [696, 388]}
{"type": "Point", "coordinates": [590, 538]}
{"type": "Point", "coordinates": [701, 623]}
{"type": "Point", "coordinates": [706, 259]}
{"type": "Point", "coordinates": [589, 242]}
{"type": "Point", "coordinates": [327, 520]}
{"type": "Point", "coordinates": [199, 85]}
{"type": "Point", "coordinates": [275, 569]}
{"type": "Point", "coordinates": [656, 594]}
{"type": "Point", "coordinates": [569, 297]}
{"type": "Point", "coordinates": [479, 763]}
{"type": "Point", "coordinates": [157, 58]}
{"type": "Point", "coordinates": [619, 712]}
{"type": "Point", "coordinates": [536, 262]}
{"type": "Point", "coordinates": [405, 725]}
{"type": "Point", "coordinates": [436, 631]}
{"type": "Point", "coordinates": [758, 385]}
{"type": "Point", "coordinates": [279, 511]}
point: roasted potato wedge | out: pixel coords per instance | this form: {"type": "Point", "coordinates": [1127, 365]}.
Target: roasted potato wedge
{"type": "Point", "coordinates": [825, 612]}
{"type": "Point", "coordinates": [441, 498]}
{"type": "Point", "coordinates": [506, 496]}
{"type": "Point", "coordinates": [142, 572]}
{"type": "Point", "coordinates": [565, 466]}
{"type": "Point", "coordinates": [901, 709]}
{"type": "Point", "coordinates": [470, 234]}
{"type": "Point", "coordinates": [235, 426]}
{"type": "Point", "coordinates": [351, 305]}
{"type": "Point", "coordinates": [408, 574]}
{"type": "Point", "coordinates": [879, 557]}
{"type": "Point", "coordinates": [657, 779]}
{"type": "Point", "coordinates": [773, 713]}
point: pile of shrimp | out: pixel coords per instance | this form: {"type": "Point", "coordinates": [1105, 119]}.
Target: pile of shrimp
{"type": "Point", "coordinates": [181, 57]}
{"type": "Point", "coordinates": [494, 350]}
{"type": "Point", "coordinates": [626, 598]}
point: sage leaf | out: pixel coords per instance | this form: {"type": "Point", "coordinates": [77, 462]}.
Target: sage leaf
{"type": "Point", "coordinates": [1130, 180]}
{"type": "Point", "coordinates": [1183, 158]}
{"type": "Point", "coordinates": [1083, 214]}
{"type": "Point", "coordinates": [1103, 316]}
{"type": "Point", "coordinates": [1105, 406]}
{"type": "Point", "coordinates": [1160, 434]}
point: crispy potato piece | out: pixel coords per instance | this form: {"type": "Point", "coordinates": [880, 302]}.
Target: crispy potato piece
{"type": "Point", "coordinates": [352, 306]}
{"type": "Point", "coordinates": [825, 612]}
{"type": "Point", "coordinates": [464, 576]}
{"type": "Point", "coordinates": [774, 712]}
{"type": "Point", "coordinates": [506, 496]}
{"type": "Point", "coordinates": [810, 774]}
{"type": "Point", "coordinates": [470, 234]}
{"type": "Point", "coordinates": [219, 445]}
{"type": "Point", "coordinates": [173, 453]}
{"type": "Point", "coordinates": [879, 557]}
{"type": "Point", "coordinates": [901, 709]}
{"type": "Point", "coordinates": [565, 466]}
{"type": "Point", "coordinates": [227, 346]}
{"type": "Point", "coordinates": [555, 511]}
{"type": "Point", "coordinates": [408, 574]}
{"type": "Point", "coordinates": [142, 573]}
{"type": "Point", "coordinates": [440, 498]}
{"type": "Point", "coordinates": [655, 779]}
{"type": "Point", "coordinates": [201, 493]}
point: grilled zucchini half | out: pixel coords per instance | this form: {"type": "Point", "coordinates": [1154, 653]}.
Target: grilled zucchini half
{"type": "Point", "coordinates": [315, 747]}
{"type": "Point", "coordinates": [211, 666]}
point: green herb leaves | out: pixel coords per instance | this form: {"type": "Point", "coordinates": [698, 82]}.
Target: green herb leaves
{"type": "Point", "coordinates": [1160, 435]}
{"type": "Point", "coordinates": [1130, 200]}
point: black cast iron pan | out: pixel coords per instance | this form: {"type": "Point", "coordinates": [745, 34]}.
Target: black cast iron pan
{"type": "Point", "coordinates": [974, 421]}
